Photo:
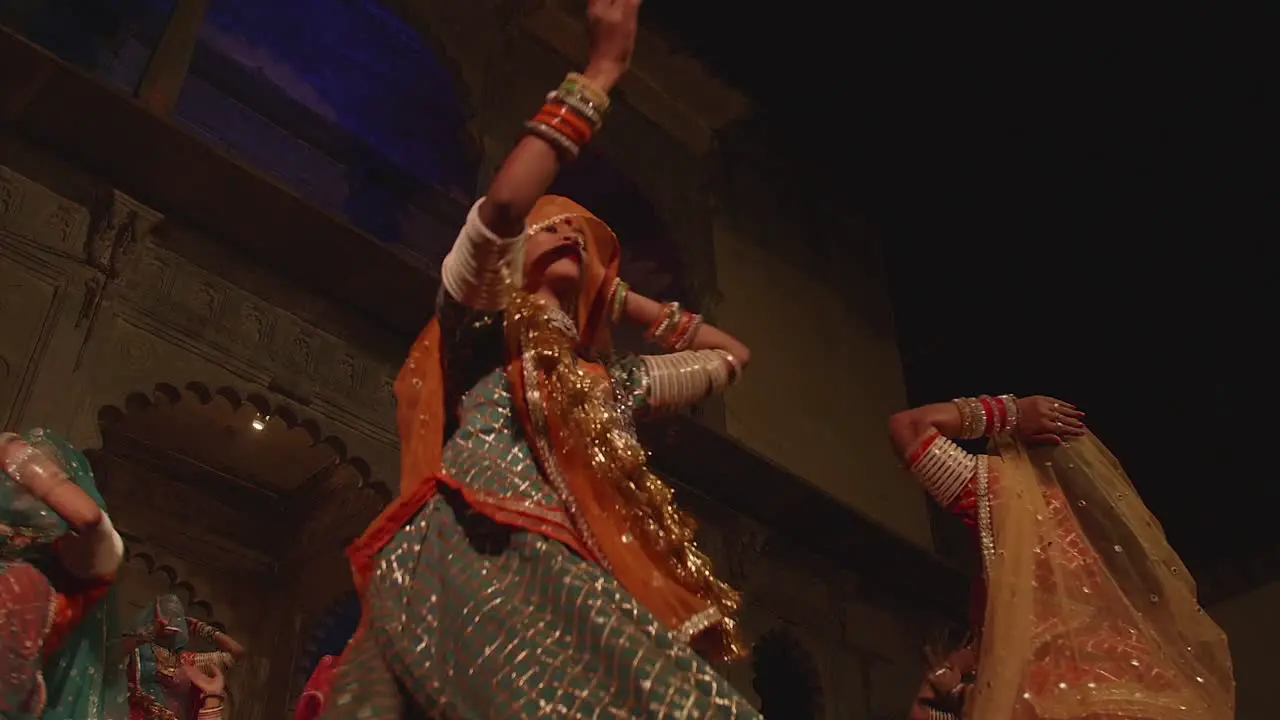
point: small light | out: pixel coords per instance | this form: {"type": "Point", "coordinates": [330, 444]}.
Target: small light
{"type": "Point", "coordinates": [260, 423]}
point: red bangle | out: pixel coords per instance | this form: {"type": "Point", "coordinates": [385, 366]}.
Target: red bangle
{"type": "Point", "coordinates": [924, 448]}
{"type": "Point", "coordinates": [1002, 416]}
{"type": "Point", "coordinates": [990, 426]}
{"type": "Point", "coordinates": [682, 328]}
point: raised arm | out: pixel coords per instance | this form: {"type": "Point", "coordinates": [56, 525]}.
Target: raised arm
{"type": "Point", "coordinates": [94, 549]}
{"type": "Point", "coordinates": [471, 272]}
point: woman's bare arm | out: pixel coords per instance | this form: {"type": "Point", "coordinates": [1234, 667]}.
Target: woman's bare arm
{"type": "Point", "coordinates": [644, 312]}
{"type": "Point", "coordinates": [532, 166]}
{"type": "Point", "coordinates": [908, 428]}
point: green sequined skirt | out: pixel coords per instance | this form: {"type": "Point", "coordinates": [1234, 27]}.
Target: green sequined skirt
{"type": "Point", "coordinates": [471, 619]}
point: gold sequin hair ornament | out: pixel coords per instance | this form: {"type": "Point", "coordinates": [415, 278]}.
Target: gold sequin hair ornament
{"type": "Point", "coordinates": [598, 427]}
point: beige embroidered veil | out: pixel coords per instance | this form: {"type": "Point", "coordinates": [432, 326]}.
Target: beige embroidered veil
{"type": "Point", "coordinates": [1090, 613]}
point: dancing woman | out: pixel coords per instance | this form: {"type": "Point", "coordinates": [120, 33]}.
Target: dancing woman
{"type": "Point", "coordinates": [533, 565]}
{"type": "Point", "coordinates": [58, 557]}
{"type": "Point", "coordinates": [1088, 613]}
{"type": "Point", "coordinates": [160, 668]}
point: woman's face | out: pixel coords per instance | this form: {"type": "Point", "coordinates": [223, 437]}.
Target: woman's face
{"type": "Point", "coordinates": [554, 256]}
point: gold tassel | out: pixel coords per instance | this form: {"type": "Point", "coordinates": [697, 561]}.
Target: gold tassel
{"type": "Point", "coordinates": [596, 425]}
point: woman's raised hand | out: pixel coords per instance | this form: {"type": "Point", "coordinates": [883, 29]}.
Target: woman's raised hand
{"type": "Point", "coordinates": [613, 25]}
{"type": "Point", "coordinates": [209, 680]}
{"type": "Point", "coordinates": [1044, 419]}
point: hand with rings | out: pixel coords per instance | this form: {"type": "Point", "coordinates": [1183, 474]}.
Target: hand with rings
{"type": "Point", "coordinates": [1048, 420]}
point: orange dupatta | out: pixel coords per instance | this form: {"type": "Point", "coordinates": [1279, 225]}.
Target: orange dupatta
{"type": "Point", "coordinates": [600, 512]}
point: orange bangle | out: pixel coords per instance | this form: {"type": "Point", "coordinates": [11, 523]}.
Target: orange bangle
{"type": "Point", "coordinates": [558, 124]}
{"type": "Point", "coordinates": [565, 120]}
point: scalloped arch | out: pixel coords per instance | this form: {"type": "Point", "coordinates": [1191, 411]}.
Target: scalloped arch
{"type": "Point", "coordinates": [163, 578]}
{"type": "Point", "coordinates": [168, 394]}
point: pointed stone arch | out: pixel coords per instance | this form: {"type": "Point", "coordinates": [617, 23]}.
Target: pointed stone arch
{"type": "Point", "coordinates": [326, 633]}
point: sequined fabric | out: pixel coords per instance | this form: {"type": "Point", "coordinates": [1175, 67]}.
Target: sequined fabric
{"type": "Point", "coordinates": [467, 618]}
{"type": "Point", "coordinates": [27, 602]}
{"type": "Point", "coordinates": [488, 454]}
{"type": "Point", "coordinates": [1102, 652]}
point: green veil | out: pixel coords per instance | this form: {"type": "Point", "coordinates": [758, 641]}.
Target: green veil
{"type": "Point", "coordinates": [85, 678]}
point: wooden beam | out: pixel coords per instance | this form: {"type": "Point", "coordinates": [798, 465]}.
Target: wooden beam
{"type": "Point", "coordinates": [167, 69]}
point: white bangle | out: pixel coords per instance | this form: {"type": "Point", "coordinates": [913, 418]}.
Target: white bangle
{"type": "Point", "coordinates": [944, 469]}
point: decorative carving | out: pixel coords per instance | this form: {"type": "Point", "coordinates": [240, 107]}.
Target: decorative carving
{"type": "Point", "coordinates": [253, 325]}
{"type": "Point", "coordinates": [386, 396]}
{"type": "Point", "coordinates": [302, 352]}
{"type": "Point", "coordinates": [89, 303]}
{"type": "Point", "coordinates": [9, 193]}
{"type": "Point", "coordinates": [123, 224]}
{"type": "Point", "coordinates": [348, 373]}
{"type": "Point", "coordinates": [61, 222]}
{"type": "Point", "coordinates": [225, 316]}
{"type": "Point", "coordinates": [206, 301]}
{"type": "Point", "coordinates": [137, 354]}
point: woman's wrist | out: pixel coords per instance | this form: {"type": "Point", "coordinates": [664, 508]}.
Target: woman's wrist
{"type": "Point", "coordinates": [604, 74]}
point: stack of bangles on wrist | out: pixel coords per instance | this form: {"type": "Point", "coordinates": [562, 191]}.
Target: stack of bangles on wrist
{"type": "Point", "coordinates": [675, 329]}
{"type": "Point", "coordinates": [204, 630]}
{"type": "Point", "coordinates": [985, 416]}
{"type": "Point", "coordinates": [944, 468]}
{"type": "Point", "coordinates": [215, 711]}
{"type": "Point", "coordinates": [571, 116]}
{"type": "Point", "coordinates": [685, 378]}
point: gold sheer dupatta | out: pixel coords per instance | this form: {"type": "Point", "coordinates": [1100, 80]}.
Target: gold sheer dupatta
{"type": "Point", "coordinates": [1090, 613]}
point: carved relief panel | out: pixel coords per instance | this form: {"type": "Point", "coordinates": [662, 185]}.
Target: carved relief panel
{"type": "Point", "coordinates": [28, 295]}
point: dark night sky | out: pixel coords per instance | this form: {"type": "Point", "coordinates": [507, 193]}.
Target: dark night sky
{"type": "Point", "coordinates": [1069, 204]}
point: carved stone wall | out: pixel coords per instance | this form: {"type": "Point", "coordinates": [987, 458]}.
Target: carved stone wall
{"type": "Point", "coordinates": [94, 311]}
{"type": "Point", "coordinates": [862, 647]}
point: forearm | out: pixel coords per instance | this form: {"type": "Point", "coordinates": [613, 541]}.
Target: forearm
{"type": "Point", "coordinates": [95, 552]}
{"type": "Point", "coordinates": [211, 634]}
{"type": "Point", "coordinates": [648, 313]}
{"type": "Point", "coordinates": [473, 271]}
{"type": "Point", "coordinates": [532, 166]}
{"type": "Point", "coordinates": [958, 480]}
{"type": "Point", "coordinates": [909, 428]}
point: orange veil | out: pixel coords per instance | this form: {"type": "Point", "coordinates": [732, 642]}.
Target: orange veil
{"type": "Point", "coordinates": [1090, 613]}
{"type": "Point", "coordinates": [687, 601]}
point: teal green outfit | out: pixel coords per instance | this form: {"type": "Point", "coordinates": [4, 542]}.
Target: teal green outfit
{"type": "Point", "coordinates": [84, 679]}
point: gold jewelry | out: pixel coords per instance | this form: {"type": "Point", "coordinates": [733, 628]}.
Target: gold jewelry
{"type": "Point", "coordinates": [618, 296]}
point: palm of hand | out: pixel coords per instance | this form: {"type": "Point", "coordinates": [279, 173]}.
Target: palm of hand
{"type": "Point", "coordinates": [208, 684]}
